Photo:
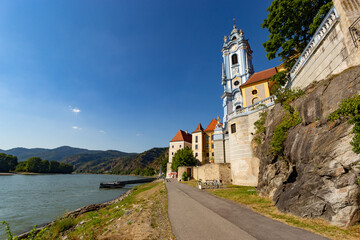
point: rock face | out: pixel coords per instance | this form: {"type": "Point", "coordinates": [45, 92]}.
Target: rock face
{"type": "Point", "coordinates": [317, 176]}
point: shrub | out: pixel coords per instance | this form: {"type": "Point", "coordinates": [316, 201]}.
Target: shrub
{"type": "Point", "coordinates": [183, 157]}
{"type": "Point", "coordinates": [185, 176]}
{"type": "Point", "coordinates": [260, 126]}
{"type": "Point", "coordinates": [350, 109]}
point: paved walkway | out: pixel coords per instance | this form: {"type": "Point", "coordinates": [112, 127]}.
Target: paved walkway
{"type": "Point", "coordinates": [196, 214]}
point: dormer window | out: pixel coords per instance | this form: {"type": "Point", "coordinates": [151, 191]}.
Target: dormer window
{"type": "Point", "coordinates": [234, 59]}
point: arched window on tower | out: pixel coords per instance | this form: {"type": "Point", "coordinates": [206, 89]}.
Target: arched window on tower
{"type": "Point", "coordinates": [234, 59]}
{"type": "Point", "coordinates": [233, 38]}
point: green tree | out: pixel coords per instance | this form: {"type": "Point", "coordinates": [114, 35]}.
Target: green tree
{"type": "Point", "coordinates": [7, 162]}
{"type": "Point", "coordinates": [163, 163]}
{"type": "Point", "coordinates": [291, 25]}
{"type": "Point", "coordinates": [45, 166]}
{"type": "Point", "coordinates": [34, 165]}
{"type": "Point", "coordinates": [21, 167]}
{"type": "Point", "coordinates": [183, 157]}
{"type": "Point", "coordinates": [54, 167]}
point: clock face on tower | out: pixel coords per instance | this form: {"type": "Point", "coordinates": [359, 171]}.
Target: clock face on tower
{"type": "Point", "coordinates": [233, 48]}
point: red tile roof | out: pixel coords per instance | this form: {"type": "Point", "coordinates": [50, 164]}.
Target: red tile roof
{"type": "Point", "coordinates": [212, 125]}
{"type": "Point", "coordinates": [260, 76]}
{"type": "Point", "coordinates": [182, 136]}
{"type": "Point", "coordinates": [199, 128]}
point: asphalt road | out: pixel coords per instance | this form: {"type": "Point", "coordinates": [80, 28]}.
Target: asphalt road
{"type": "Point", "coordinates": [196, 214]}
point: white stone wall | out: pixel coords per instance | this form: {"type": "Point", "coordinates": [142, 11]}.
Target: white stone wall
{"type": "Point", "coordinates": [336, 52]}
{"type": "Point", "coordinates": [244, 165]}
{"type": "Point", "coordinates": [175, 146]}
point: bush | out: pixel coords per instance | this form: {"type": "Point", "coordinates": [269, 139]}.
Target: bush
{"type": "Point", "coordinates": [280, 133]}
{"type": "Point", "coordinates": [185, 176]}
{"type": "Point", "coordinates": [183, 157]}
{"type": "Point", "coordinates": [260, 126]}
{"type": "Point", "coordinates": [350, 109]}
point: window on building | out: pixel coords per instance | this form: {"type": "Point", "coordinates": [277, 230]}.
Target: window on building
{"type": "Point", "coordinates": [234, 59]}
{"type": "Point", "coordinates": [254, 92]}
{"type": "Point", "coordinates": [207, 154]}
{"type": "Point", "coordinates": [212, 137]}
{"type": "Point", "coordinates": [172, 153]}
{"type": "Point", "coordinates": [207, 137]}
{"type": "Point", "coordinates": [233, 128]}
{"type": "Point", "coordinates": [207, 146]}
{"type": "Point", "coordinates": [236, 83]}
{"type": "Point", "coordinates": [212, 145]}
{"type": "Point", "coordinates": [238, 107]}
{"type": "Point", "coordinates": [180, 146]}
{"type": "Point", "coordinates": [196, 139]}
{"type": "Point", "coordinates": [196, 154]}
{"type": "Point", "coordinates": [196, 146]}
{"type": "Point", "coordinates": [172, 146]}
{"type": "Point", "coordinates": [212, 154]}
{"type": "Point", "coordinates": [233, 38]}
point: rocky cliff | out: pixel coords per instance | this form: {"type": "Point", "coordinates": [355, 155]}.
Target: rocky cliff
{"type": "Point", "coordinates": [316, 176]}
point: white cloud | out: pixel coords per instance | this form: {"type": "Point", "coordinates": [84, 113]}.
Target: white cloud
{"type": "Point", "coordinates": [76, 128]}
{"type": "Point", "coordinates": [102, 131]}
{"type": "Point", "coordinates": [139, 134]}
{"type": "Point", "coordinates": [74, 109]}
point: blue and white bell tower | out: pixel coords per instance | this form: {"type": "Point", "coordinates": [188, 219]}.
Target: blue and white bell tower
{"type": "Point", "coordinates": [236, 69]}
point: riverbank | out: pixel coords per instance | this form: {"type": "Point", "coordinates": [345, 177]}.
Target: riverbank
{"type": "Point", "coordinates": [248, 196]}
{"type": "Point", "coordinates": [140, 213]}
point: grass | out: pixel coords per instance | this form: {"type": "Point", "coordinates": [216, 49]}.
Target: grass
{"type": "Point", "coordinates": [146, 206]}
{"type": "Point", "coordinates": [249, 197]}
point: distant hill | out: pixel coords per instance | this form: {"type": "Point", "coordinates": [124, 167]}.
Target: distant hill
{"type": "Point", "coordinates": [56, 154]}
{"type": "Point", "coordinates": [114, 162]}
{"type": "Point", "coordinates": [95, 161]}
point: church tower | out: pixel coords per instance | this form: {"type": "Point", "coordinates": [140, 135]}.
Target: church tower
{"type": "Point", "coordinates": [236, 69]}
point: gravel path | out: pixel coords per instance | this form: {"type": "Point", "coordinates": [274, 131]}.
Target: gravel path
{"type": "Point", "coordinates": [196, 214]}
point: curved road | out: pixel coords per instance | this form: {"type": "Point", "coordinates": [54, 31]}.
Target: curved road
{"type": "Point", "coordinates": [196, 214]}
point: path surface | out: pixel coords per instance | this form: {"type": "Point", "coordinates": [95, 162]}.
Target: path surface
{"type": "Point", "coordinates": [196, 214]}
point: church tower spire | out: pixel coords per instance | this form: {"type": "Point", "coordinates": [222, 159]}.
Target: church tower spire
{"type": "Point", "coordinates": [237, 68]}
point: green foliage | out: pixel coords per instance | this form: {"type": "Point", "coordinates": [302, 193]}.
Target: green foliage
{"type": "Point", "coordinates": [324, 9]}
{"type": "Point", "coordinates": [285, 96]}
{"type": "Point", "coordinates": [7, 162]}
{"type": "Point", "coordinates": [280, 133]}
{"type": "Point", "coordinates": [350, 109]}
{"type": "Point", "coordinates": [163, 163]}
{"type": "Point", "coordinates": [279, 80]}
{"type": "Point", "coordinates": [37, 165]}
{"type": "Point", "coordinates": [289, 24]}
{"type": "Point", "coordinates": [185, 176]}
{"type": "Point", "coordinates": [183, 157]}
{"type": "Point", "coordinates": [260, 126]}
{"type": "Point", "coordinates": [64, 224]}
{"type": "Point", "coordinates": [8, 231]}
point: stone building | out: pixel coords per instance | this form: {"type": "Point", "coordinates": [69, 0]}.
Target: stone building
{"type": "Point", "coordinates": [181, 140]}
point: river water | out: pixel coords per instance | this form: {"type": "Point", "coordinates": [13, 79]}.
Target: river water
{"type": "Point", "coordinates": [28, 200]}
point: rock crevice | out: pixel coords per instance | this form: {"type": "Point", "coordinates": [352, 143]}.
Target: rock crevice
{"type": "Point", "coordinates": [317, 174]}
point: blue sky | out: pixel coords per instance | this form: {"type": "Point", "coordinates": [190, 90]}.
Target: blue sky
{"type": "Point", "coordinates": [123, 75]}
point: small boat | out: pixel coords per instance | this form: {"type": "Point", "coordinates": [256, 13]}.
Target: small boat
{"type": "Point", "coordinates": [116, 184]}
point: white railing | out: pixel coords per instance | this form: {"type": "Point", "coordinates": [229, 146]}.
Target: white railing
{"type": "Point", "coordinates": [267, 102]}
{"type": "Point", "coordinates": [327, 24]}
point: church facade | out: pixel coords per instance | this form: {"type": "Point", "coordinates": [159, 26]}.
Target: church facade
{"type": "Point", "coordinates": [229, 141]}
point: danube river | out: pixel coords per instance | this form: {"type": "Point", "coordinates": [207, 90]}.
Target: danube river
{"type": "Point", "coordinates": [28, 200]}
